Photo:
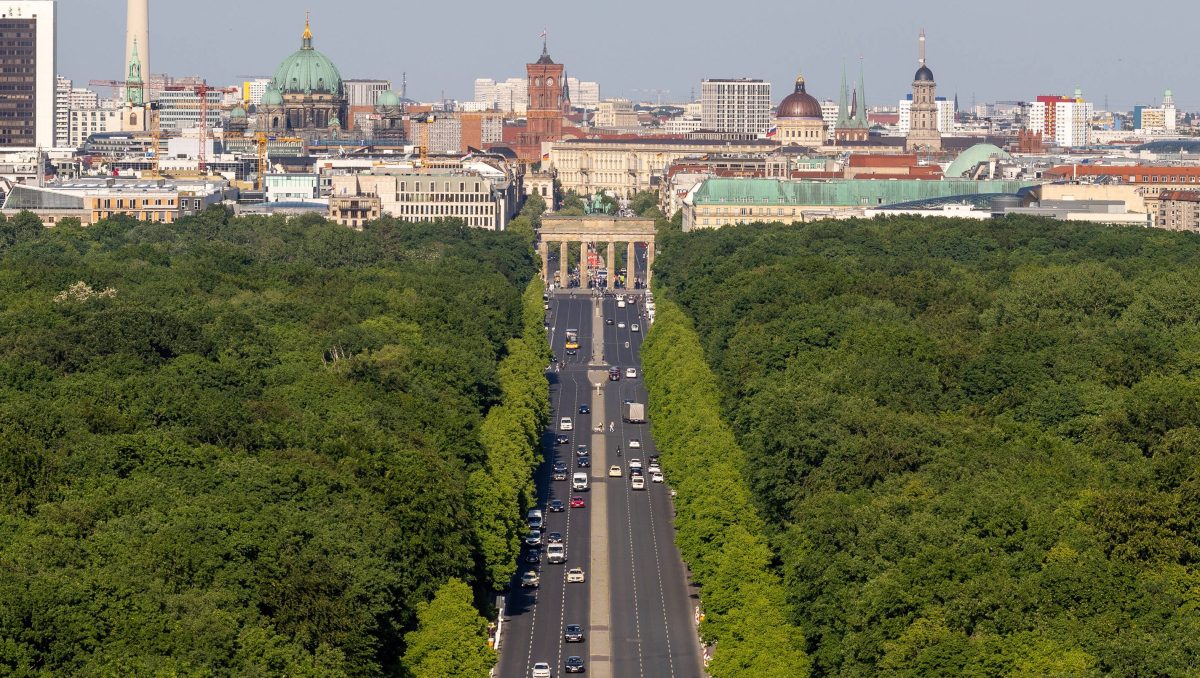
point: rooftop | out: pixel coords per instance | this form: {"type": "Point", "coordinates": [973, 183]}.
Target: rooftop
{"type": "Point", "coordinates": [844, 192]}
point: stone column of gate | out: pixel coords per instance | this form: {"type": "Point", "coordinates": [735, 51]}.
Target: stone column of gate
{"type": "Point", "coordinates": [612, 272]}
{"type": "Point", "coordinates": [562, 264]}
{"type": "Point", "coordinates": [630, 266]}
{"type": "Point", "coordinates": [544, 250]}
{"type": "Point", "coordinates": [649, 263]}
{"type": "Point", "coordinates": [583, 262]}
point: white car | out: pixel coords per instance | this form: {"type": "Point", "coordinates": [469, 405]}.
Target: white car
{"type": "Point", "coordinates": [637, 482]}
{"type": "Point", "coordinates": [540, 670]}
{"type": "Point", "coordinates": [635, 444]}
{"type": "Point", "coordinates": [620, 326]}
{"type": "Point", "coordinates": [614, 471]}
{"type": "Point", "coordinates": [575, 575]}
{"type": "Point", "coordinates": [530, 580]}
{"type": "Point", "coordinates": [565, 424]}
{"type": "Point", "coordinates": [654, 468]}
{"type": "Point", "coordinates": [634, 328]}
{"type": "Point", "coordinates": [635, 463]}
{"type": "Point", "coordinates": [630, 373]}
{"type": "Point", "coordinates": [656, 477]}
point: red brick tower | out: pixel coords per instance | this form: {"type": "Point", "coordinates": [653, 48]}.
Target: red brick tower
{"type": "Point", "coordinates": [544, 117]}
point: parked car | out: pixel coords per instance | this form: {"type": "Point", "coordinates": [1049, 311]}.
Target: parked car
{"type": "Point", "coordinates": [575, 575]}
{"type": "Point", "coordinates": [533, 555]}
{"type": "Point", "coordinates": [530, 580]}
{"type": "Point", "coordinates": [534, 538]}
{"type": "Point", "coordinates": [577, 502]}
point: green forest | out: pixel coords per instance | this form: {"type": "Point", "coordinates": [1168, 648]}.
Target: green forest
{"type": "Point", "coordinates": [974, 446]}
{"type": "Point", "coordinates": [259, 446]}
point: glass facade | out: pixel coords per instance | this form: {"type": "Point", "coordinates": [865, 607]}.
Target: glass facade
{"type": "Point", "coordinates": [18, 83]}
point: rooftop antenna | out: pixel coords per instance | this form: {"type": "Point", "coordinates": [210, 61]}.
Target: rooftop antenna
{"type": "Point", "coordinates": [921, 48]}
{"type": "Point", "coordinates": [404, 85]}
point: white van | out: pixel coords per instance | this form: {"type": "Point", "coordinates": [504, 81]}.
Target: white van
{"type": "Point", "coordinates": [638, 482]}
{"type": "Point", "coordinates": [565, 424]}
{"type": "Point", "coordinates": [556, 553]}
{"type": "Point", "coordinates": [535, 514]}
{"type": "Point", "coordinates": [579, 481]}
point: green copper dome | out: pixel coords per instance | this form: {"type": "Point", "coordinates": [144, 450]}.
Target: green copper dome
{"type": "Point", "coordinates": [237, 112]}
{"type": "Point", "coordinates": [307, 71]}
{"type": "Point", "coordinates": [387, 98]}
{"type": "Point", "coordinates": [271, 96]}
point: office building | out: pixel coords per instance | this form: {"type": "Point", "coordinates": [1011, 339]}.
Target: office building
{"type": "Point", "coordinates": [739, 105]}
{"type": "Point", "coordinates": [27, 59]}
{"type": "Point", "coordinates": [481, 195]}
{"type": "Point", "coordinates": [584, 94]}
{"type": "Point", "coordinates": [253, 90]}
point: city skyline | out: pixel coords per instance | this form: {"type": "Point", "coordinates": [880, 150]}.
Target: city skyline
{"type": "Point", "coordinates": [634, 55]}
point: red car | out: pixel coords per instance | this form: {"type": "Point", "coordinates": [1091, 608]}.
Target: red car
{"type": "Point", "coordinates": [577, 502]}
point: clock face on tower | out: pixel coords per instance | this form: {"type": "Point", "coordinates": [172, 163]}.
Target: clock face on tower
{"type": "Point", "coordinates": [549, 82]}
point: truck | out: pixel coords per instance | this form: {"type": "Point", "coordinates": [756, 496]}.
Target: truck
{"type": "Point", "coordinates": [634, 413]}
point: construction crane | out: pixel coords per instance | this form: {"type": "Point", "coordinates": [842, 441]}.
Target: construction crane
{"type": "Point", "coordinates": [202, 91]}
{"type": "Point", "coordinates": [424, 120]}
{"type": "Point", "coordinates": [155, 134]}
{"type": "Point", "coordinates": [261, 139]}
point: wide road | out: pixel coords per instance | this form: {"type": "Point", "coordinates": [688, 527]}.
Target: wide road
{"type": "Point", "coordinates": [635, 607]}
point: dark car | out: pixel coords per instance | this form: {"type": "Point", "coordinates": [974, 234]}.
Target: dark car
{"type": "Point", "coordinates": [573, 634]}
{"type": "Point", "coordinates": [583, 462]}
{"type": "Point", "coordinates": [561, 440]}
{"type": "Point", "coordinates": [556, 505]}
{"type": "Point", "coordinates": [608, 321]}
{"type": "Point", "coordinates": [533, 555]}
{"type": "Point", "coordinates": [572, 351]}
{"type": "Point", "coordinates": [554, 538]}
{"type": "Point", "coordinates": [614, 374]}
{"type": "Point", "coordinates": [582, 450]}
{"type": "Point", "coordinates": [584, 409]}
{"type": "Point", "coordinates": [574, 665]}
{"type": "Point", "coordinates": [559, 473]}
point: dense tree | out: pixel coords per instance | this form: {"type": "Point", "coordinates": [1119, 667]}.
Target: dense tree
{"type": "Point", "coordinates": [450, 638]}
{"type": "Point", "coordinates": [974, 444]}
{"type": "Point", "coordinates": [251, 446]}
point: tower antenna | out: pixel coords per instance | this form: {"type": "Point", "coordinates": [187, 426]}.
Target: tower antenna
{"type": "Point", "coordinates": [921, 48]}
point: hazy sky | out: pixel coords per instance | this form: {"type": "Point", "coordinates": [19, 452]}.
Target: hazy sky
{"type": "Point", "coordinates": [983, 50]}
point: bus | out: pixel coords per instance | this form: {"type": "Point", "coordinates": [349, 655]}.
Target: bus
{"type": "Point", "coordinates": [572, 339]}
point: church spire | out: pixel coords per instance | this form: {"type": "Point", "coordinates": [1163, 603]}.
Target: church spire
{"type": "Point", "coordinates": [306, 39]}
{"type": "Point", "coordinates": [843, 101]}
{"type": "Point", "coordinates": [135, 91]}
{"type": "Point", "coordinates": [860, 113]}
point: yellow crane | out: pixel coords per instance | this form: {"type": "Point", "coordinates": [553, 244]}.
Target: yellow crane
{"type": "Point", "coordinates": [262, 138]}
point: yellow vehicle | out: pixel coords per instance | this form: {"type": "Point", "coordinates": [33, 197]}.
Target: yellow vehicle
{"type": "Point", "coordinates": [572, 339]}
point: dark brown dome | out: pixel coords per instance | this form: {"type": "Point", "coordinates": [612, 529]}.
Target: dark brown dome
{"type": "Point", "coordinates": [799, 104]}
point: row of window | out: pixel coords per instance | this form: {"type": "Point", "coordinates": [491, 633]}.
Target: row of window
{"type": "Point", "coordinates": [446, 210]}
{"type": "Point", "coordinates": [133, 203]}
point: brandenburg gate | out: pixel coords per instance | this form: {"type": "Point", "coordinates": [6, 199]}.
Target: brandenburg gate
{"type": "Point", "coordinates": [594, 230]}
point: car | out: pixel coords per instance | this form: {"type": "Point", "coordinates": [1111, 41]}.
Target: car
{"type": "Point", "coordinates": [637, 481]}
{"type": "Point", "coordinates": [653, 459]}
{"type": "Point", "coordinates": [554, 538]}
{"type": "Point", "coordinates": [634, 328]}
{"type": "Point", "coordinates": [574, 664]}
{"type": "Point", "coordinates": [565, 424]}
{"type": "Point", "coordinates": [620, 326]}
{"type": "Point", "coordinates": [572, 351]}
{"type": "Point", "coordinates": [635, 444]}
{"type": "Point", "coordinates": [656, 476]}
{"type": "Point", "coordinates": [573, 634]}
{"type": "Point", "coordinates": [534, 538]}
{"type": "Point", "coordinates": [575, 575]}
{"type": "Point", "coordinates": [556, 505]}
{"type": "Point", "coordinates": [614, 374]}
{"type": "Point", "coordinates": [614, 471]}
{"type": "Point", "coordinates": [561, 440]}
{"type": "Point", "coordinates": [630, 373]}
{"type": "Point", "coordinates": [535, 523]}
{"type": "Point", "coordinates": [540, 670]}
{"type": "Point", "coordinates": [620, 302]}
{"type": "Point", "coordinates": [636, 472]}
{"type": "Point", "coordinates": [530, 580]}
{"type": "Point", "coordinates": [654, 467]}
{"type": "Point", "coordinates": [577, 502]}
{"type": "Point", "coordinates": [584, 409]}
{"type": "Point", "coordinates": [582, 450]}
{"type": "Point", "coordinates": [608, 321]}
{"type": "Point", "coordinates": [533, 555]}
{"type": "Point", "coordinates": [583, 462]}
{"type": "Point", "coordinates": [635, 463]}
{"type": "Point", "coordinates": [559, 474]}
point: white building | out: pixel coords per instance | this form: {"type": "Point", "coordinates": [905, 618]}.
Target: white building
{"type": "Point", "coordinates": [584, 93]}
{"type": "Point", "coordinates": [83, 98]}
{"type": "Point", "coordinates": [181, 109]}
{"type": "Point", "coordinates": [28, 30]}
{"type": "Point", "coordinates": [362, 93]}
{"type": "Point", "coordinates": [681, 124]}
{"type": "Point", "coordinates": [741, 105]}
{"type": "Point", "coordinates": [485, 91]}
{"type": "Point", "coordinates": [829, 114]}
{"type": "Point", "coordinates": [945, 116]}
{"type": "Point", "coordinates": [509, 96]}
{"type": "Point", "coordinates": [253, 90]}
{"type": "Point", "coordinates": [62, 111]}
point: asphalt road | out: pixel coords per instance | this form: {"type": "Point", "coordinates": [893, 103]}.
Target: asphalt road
{"type": "Point", "coordinates": [649, 630]}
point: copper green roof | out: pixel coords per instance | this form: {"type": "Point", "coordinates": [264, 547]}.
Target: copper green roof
{"type": "Point", "coordinates": [974, 155]}
{"type": "Point", "coordinates": [307, 71]}
{"type": "Point", "coordinates": [842, 192]}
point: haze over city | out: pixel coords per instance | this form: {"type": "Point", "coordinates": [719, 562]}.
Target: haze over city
{"type": "Point", "coordinates": [986, 51]}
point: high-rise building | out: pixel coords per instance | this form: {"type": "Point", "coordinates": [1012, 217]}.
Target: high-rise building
{"type": "Point", "coordinates": [584, 93]}
{"type": "Point", "coordinates": [740, 105]}
{"type": "Point", "coordinates": [1065, 120]}
{"type": "Point", "coordinates": [365, 93]}
{"type": "Point", "coordinates": [62, 111]}
{"type": "Point", "coordinates": [1160, 119]}
{"type": "Point", "coordinates": [923, 134]}
{"type": "Point", "coordinates": [253, 90]}
{"type": "Point", "coordinates": [27, 60]}
{"type": "Point", "coordinates": [137, 36]}
{"type": "Point", "coordinates": [944, 115]}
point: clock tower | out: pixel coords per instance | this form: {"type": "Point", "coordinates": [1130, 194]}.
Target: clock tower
{"type": "Point", "coordinates": [544, 117]}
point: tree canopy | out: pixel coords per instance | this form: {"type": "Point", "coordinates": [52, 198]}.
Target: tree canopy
{"type": "Point", "coordinates": [974, 445]}
{"type": "Point", "coordinates": [247, 446]}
